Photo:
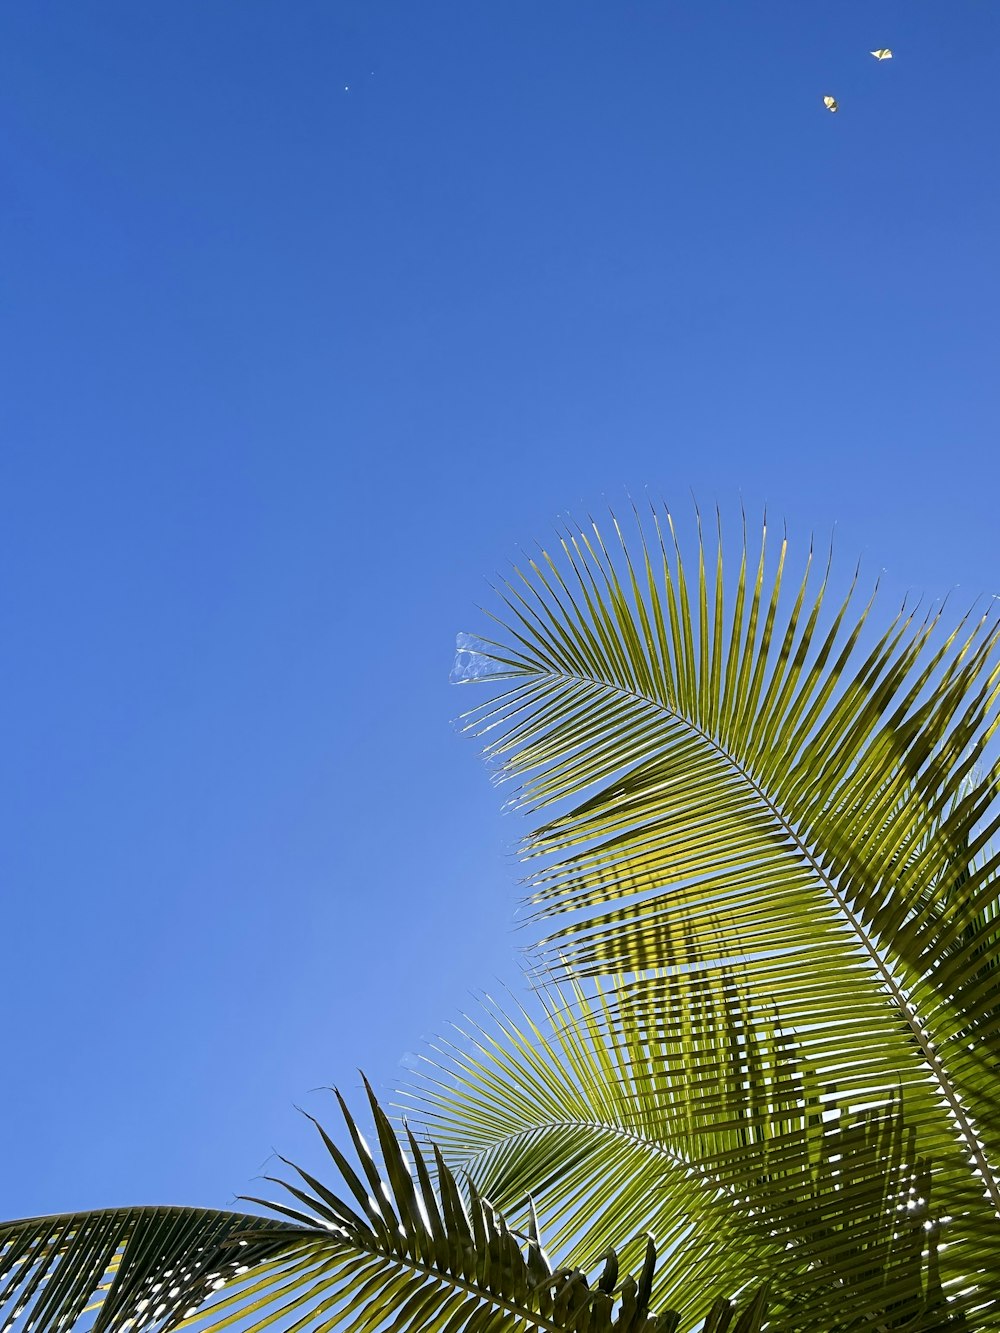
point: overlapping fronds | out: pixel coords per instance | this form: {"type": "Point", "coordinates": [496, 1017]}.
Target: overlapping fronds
{"type": "Point", "coordinates": [612, 1133]}
{"type": "Point", "coordinates": [727, 772]}
{"type": "Point", "coordinates": [705, 1132]}
{"type": "Point", "coordinates": [402, 1248]}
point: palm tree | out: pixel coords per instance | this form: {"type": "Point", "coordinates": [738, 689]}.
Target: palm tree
{"type": "Point", "coordinates": [764, 1028]}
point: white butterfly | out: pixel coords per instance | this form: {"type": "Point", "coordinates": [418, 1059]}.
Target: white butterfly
{"type": "Point", "coordinates": [882, 54]}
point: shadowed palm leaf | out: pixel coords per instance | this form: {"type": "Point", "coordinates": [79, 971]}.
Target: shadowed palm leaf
{"type": "Point", "coordinates": [729, 776]}
{"type": "Point", "coordinates": [406, 1250]}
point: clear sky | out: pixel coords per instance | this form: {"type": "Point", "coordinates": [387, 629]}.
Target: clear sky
{"type": "Point", "coordinates": [310, 313]}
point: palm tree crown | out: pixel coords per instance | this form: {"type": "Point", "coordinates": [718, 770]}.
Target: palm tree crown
{"type": "Point", "coordinates": [759, 1067]}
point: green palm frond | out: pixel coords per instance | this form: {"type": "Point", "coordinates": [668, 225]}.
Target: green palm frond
{"type": "Point", "coordinates": [406, 1249]}
{"type": "Point", "coordinates": [613, 1133]}
{"type": "Point", "coordinates": [125, 1266]}
{"type": "Point", "coordinates": [729, 775]}
{"type": "Point", "coordinates": [705, 1132]}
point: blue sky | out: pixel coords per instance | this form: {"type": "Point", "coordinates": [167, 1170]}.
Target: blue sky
{"type": "Point", "coordinates": [310, 314]}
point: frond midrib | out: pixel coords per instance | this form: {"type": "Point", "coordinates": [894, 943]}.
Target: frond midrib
{"type": "Point", "coordinates": [701, 1175]}
{"type": "Point", "coordinates": [410, 1264]}
{"type": "Point", "coordinates": [124, 1209]}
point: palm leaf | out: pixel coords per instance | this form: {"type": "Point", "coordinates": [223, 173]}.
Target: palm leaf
{"type": "Point", "coordinates": [144, 1265]}
{"type": "Point", "coordinates": [728, 774]}
{"type": "Point", "coordinates": [606, 1130]}
{"type": "Point", "coordinates": [401, 1248]}
{"type": "Point", "coordinates": [612, 1134]}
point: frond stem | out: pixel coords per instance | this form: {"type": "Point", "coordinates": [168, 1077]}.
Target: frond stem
{"type": "Point", "coordinates": [694, 1172]}
{"type": "Point", "coordinates": [461, 1284]}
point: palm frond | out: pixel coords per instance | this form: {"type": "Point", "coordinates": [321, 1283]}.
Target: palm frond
{"type": "Point", "coordinates": [126, 1267]}
{"type": "Point", "coordinates": [401, 1248]}
{"type": "Point", "coordinates": [607, 1130]}
{"type": "Point", "coordinates": [726, 774]}
{"type": "Point", "coordinates": [612, 1134]}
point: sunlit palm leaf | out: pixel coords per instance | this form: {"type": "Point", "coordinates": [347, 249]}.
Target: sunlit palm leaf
{"type": "Point", "coordinates": [400, 1251]}
{"type": "Point", "coordinates": [613, 1132]}
{"type": "Point", "coordinates": [727, 775]}
{"type": "Point", "coordinates": [612, 1129]}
